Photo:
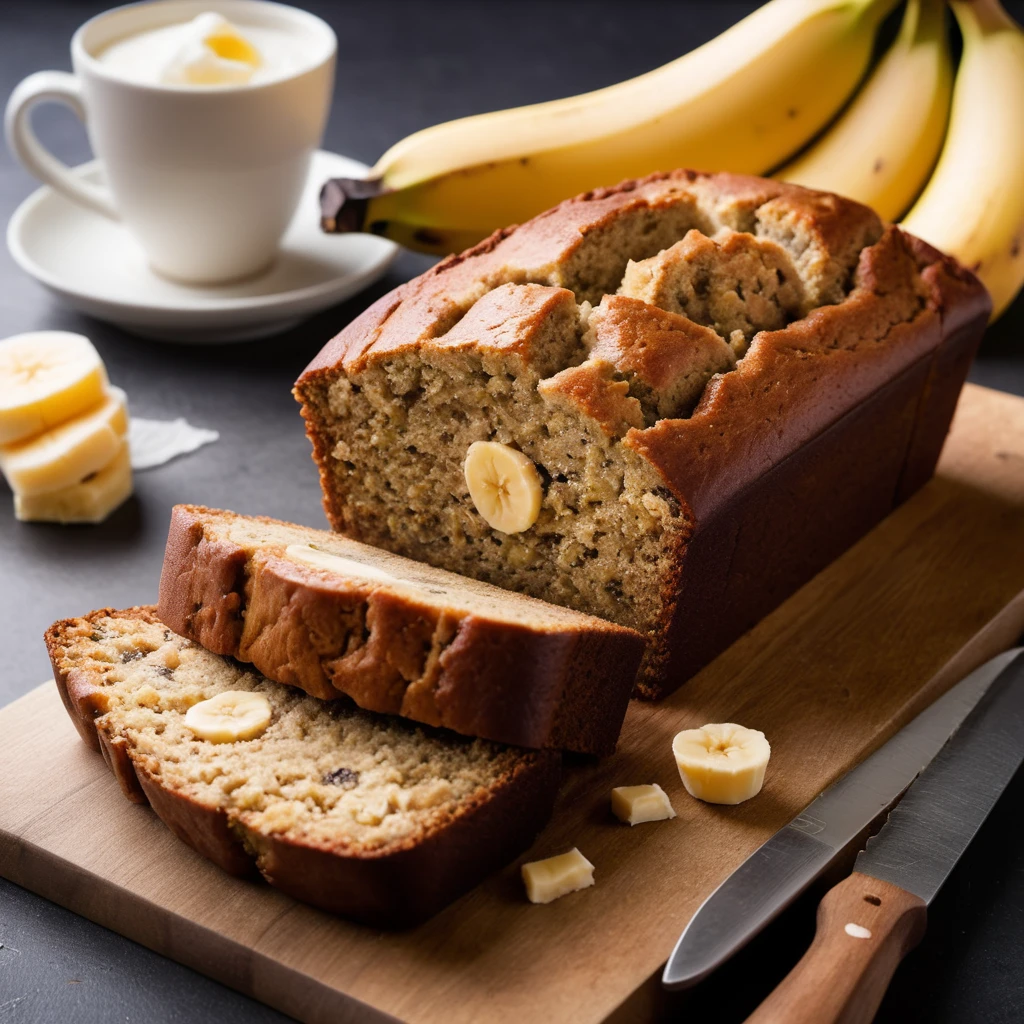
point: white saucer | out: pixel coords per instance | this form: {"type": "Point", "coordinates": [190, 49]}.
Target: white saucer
{"type": "Point", "coordinates": [97, 267]}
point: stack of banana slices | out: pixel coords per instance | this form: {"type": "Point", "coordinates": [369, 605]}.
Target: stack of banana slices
{"type": "Point", "coordinates": [63, 429]}
{"type": "Point", "coordinates": [791, 86]}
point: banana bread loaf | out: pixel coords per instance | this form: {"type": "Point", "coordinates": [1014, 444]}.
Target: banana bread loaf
{"type": "Point", "coordinates": [338, 618]}
{"type": "Point", "coordinates": [365, 816]}
{"type": "Point", "coordinates": [722, 383]}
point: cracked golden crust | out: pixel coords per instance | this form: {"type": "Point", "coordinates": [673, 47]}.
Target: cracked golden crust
{"type": "Point", "coordinates": [593, 389]}
{"type": "Point", "coordinates": [793, 383]}
{"type": "Point", "coordinates": [392, 886]}
{"type": "Point", "coordinates": [510, 318]}
{"type": "Point", "coordinates": [419, 310]}
{"type": "Point", "coordinates": [667, 356]}
{"type": "Point", "coordinates": [394, 651]}
{"type": "Point", "coordinates": [731, 281]}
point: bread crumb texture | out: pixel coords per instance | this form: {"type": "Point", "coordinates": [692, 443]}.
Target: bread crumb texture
{"type": "Point", "coordinates": [324, 774]}
{"type": "Point", "coordinates": [572, 338]}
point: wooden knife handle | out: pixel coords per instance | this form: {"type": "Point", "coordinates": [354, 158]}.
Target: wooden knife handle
{"type": "Point", "coordinates": [865, 928]}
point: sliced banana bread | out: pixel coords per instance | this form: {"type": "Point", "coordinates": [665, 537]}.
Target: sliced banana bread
{"type": "Point", "coordinates": [370, 817]}
{"type": "Point", "coordinates": [722, 383]}
{"type": "Point", "coordinates": [337, 618]}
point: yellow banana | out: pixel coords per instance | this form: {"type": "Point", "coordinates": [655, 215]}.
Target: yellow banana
{"type": "Point", "coordinates": [743, 102]}
{"type": "Point", "coordinates": [973, 206]}
{"type": "Point", "coordinates": [882, 148]}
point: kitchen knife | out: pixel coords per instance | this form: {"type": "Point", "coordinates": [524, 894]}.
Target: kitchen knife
{"type": "Point", "coordinates": [868, 922]}
{"type": "Point", "coordinates": [781, 869]}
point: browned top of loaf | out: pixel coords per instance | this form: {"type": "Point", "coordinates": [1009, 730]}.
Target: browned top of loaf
{"type": "Point", "coordinates": [662, 351]}
{"type": "Point", "coordinates": [873, 300]}
{"type": "Point", "coordinates": [540, 250]}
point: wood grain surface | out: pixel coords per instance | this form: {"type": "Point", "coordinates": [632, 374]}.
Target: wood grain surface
{"type": "Point", "coordinates": [927, 596]}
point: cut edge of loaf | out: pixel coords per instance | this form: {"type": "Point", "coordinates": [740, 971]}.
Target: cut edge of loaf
{"type": "Point", "coordinates": [431, 646]}
{"type": "Point", "coordinates": [463, 827]}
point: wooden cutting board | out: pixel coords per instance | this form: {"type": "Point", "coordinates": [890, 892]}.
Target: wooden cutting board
{"type": "Point", "coordinates": [934, 591]}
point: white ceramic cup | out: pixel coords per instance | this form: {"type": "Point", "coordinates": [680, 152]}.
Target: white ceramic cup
{"type": "Point", "coordinates": [207, 180]}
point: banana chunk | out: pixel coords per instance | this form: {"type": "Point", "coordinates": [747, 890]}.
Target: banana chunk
{"type": "Point", "coordinates": [46, 378]}
{"type": "Point", "coordinates": [68, 453]}
{"type": "Point", "coordinates": [546, 880]}
{"type": "Point", "coordinates": [230, 716]}
{"type": "Point", "coordinates": [348, 567]}
{"type": "Point", "coordinates": [637, 804]}
{"type": "Point", "coordinates": [89, 501]}
{"type": "Point", "coordinates": [722, 764]}
{"type": "Point", "coordinates": [504, 485]}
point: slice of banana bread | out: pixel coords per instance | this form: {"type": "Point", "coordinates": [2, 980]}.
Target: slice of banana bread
{"type": "Point", "coordinates": [365, 816]}
{"type": "Point", "coordinates": [337, 618]}
{"type": "Point", "coordinates": [722, 382]}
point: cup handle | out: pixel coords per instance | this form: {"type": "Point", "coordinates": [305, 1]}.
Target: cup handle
{"type": "Point", "coordinates": [51, 87]}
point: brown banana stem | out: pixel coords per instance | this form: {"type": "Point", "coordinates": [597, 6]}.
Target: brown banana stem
{"type": "Point", "coordinates": [344, 202]}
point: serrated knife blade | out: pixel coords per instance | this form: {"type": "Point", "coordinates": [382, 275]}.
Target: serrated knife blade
{"type": "Point", "coordinates": [934, 823]}
{"type": "Point", "coordinates": [872, 919]}
{"type": "Point", "coordinates": [799, 853]}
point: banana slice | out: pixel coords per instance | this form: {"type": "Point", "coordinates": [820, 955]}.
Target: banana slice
{"type": "Point", "coordinates": [46, 377]}
{"type": "Point", "coordinates": [722, 764]}
{"type": "Point", "coordinates": [504, 485]}
{"type": "Point", "coordinates": [67, 454]}
{"type": "Point", "coordinates": [230, 716]}
{"type": "Point", "coordinates": [89, 501]}
{"type": "Point", "coordinates": [347, 567]}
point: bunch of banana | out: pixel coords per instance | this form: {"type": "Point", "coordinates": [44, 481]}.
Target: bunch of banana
{"type": "Point", "coordinates": [973, 206]}
{"type": "Point", "coordinates": [883, 146]}
{"type": "Point", "coordinates": [744, 102]}
{"type": "Point", "coordinates": [747, 102]}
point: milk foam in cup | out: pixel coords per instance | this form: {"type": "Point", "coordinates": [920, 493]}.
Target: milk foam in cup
{"type": "Point", "coordinates": [205, 122]}
{"type": "Point", "coordinates": [207, 51]}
